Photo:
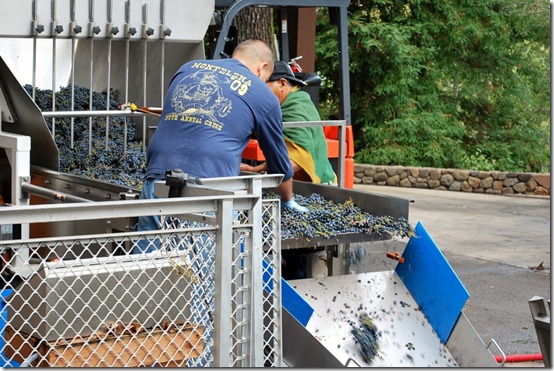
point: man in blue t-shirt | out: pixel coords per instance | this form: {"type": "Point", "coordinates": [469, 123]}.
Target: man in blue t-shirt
{"type": "Point", "coordinates": [211, 109]}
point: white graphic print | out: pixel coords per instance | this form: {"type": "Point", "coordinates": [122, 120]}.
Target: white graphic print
{"type": "Point", "coordinates": [201, 95]}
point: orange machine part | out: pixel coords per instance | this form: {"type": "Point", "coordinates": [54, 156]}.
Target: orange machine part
{"type": "Point", "coordinates": [253, 151]}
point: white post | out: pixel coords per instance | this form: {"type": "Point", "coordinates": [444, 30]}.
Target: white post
{"type": "Point", "coordinates": [18, 151]}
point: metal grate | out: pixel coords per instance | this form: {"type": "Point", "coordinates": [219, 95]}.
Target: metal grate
{"type": "Point", "coordinates": [130, 47]}
{"type": "Point", "coordinates": [271, 217]}
{"type": "Point", "coordinates": [175, 307]}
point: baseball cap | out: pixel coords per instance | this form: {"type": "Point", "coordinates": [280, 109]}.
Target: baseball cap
{"type": "Point", "coordinates": [282, 70]}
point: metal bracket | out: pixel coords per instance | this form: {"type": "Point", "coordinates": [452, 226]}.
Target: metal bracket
{"type": "Point", "coordinates": [129, 195]}
{"type": "Point", "coordinates": [350, 359]}
{"type": "Point", "coordinates": [24, 194]}
{"type": "Point", "coordinates": [492, 341]}
{"type": "Point", "coordinates": [176, 179]}
{"type": "Point", "coordinates": [541, 321]}
{"type": "Point", "coordinates": [6, 112]}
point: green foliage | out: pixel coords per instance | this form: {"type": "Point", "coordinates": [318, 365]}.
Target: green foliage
{"type": "Point", "coordinates": [444, 83]}
{"type": "Point", "coordinates": [476, 160]}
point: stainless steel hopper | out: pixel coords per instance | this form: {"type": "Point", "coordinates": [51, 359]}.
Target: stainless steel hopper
{"type": "Point", "coordinates": [70, 298]}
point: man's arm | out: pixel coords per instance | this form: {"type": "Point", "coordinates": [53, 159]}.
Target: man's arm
{"type": "Point", "coordinates": [253, 169]}
{"type": "Point", "coordinates": [271, 140]}
{"type": "Point", "coordinates": [285, 190]}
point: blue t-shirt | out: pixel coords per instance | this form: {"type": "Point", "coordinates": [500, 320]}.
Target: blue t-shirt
{"type": "Point", "coordinates": [210, 111]}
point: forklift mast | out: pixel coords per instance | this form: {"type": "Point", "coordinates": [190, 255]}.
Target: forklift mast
{"type": "Point", "coordinates": [338, 10]}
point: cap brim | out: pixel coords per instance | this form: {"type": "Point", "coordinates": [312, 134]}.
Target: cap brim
{"type": "Point", "coordinates": [296, 80]}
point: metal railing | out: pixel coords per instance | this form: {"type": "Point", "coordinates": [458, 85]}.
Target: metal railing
{"type": "Point", "coordinates": [540, 312]}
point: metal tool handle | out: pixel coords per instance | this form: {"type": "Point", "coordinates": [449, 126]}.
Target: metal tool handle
{"type": "Point", "coordinates": [176, 179]}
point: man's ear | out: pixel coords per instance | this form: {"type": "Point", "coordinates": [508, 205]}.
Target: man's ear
{"type": "Point", "coordinates": [261, 67]}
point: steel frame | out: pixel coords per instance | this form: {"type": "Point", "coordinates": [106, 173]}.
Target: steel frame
{"type": "Point", "coordinates": [342, 7]}
{"type": "Point", "coordinates": [239, 313]}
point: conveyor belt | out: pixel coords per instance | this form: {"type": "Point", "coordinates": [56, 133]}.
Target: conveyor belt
{"type": "Point", "coordinates": [375, 204]}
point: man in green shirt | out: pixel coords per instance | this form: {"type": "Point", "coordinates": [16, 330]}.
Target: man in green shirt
{"type": "Point", "coordinates": [307, 146]}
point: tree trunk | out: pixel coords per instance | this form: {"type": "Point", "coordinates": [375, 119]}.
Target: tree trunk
{"type": "Point", "coordinates": [255, 23]}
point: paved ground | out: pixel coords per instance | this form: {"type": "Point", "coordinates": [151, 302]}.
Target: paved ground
{"type": "Point", "coordinates": [493, 243]}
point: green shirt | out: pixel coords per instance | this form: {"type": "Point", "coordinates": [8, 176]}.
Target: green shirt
{"type": "Point", "coordinates": [298, 106]}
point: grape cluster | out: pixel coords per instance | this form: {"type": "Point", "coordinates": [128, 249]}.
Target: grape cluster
{"type": "Point", "coordinates": [366, 336]}
{"type": "Point", "coordinates": [329, 219]}
{"type": "Point", "coordinates": [114, 164]}
{"type": "Point", "coordinates": [357, 254]}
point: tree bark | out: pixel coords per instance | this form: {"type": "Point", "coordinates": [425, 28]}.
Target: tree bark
{"type": "Point", "coordinates": [255, 23]}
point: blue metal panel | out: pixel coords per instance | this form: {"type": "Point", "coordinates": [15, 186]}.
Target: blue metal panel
{"type": "Point", "coordinates": [292, 301]}
{"type": "Point", "coordinates": [432, 283]}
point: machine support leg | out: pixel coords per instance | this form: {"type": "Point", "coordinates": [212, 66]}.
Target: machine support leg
{"type": "Point", "coordinates": [18, 151]}
{"type": "Point", "coordinates": [541, 320]}
{"type": "Point", "coordinates": [337, 259]}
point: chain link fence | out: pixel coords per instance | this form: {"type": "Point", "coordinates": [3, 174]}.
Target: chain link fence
{"type": "Point", "coordinates": [209, 295]}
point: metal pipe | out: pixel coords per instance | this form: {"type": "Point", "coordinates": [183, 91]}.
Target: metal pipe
{"type": "Point", "coordinates": [30, 359]}
{"type": "Point", "coordinates": [73, 43]}
{"type": "Point", "coordinates": [53, 34]}
{"type": "Point", "coordinates": [162, 36]}
{"type": "Point", "coordinates": [91, 35]}
{"type": "Point", "coordinates": [50, 194]}
{"type": "Point", "coordinates": [144, 67]}
{"type": "Point", "coordinates": [520, 357]}
{"type": "Point", "coordinates": [109, 63]}
{"type": "Point", "coordinates": [127, 36]}
{"type": "Point", "coordinates": [302, 124]}
{"type": "Point", "coordinates": [35, 35]}
{"type": "Point", "coordinates": [101, 113]}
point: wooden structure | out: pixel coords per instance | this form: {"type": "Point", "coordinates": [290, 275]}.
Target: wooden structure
{"type": "Point", "coordinates": [158, 347]}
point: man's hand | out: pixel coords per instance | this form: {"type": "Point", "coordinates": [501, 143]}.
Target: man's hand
{"type": "Point", "coordinates": [253, 169]}
{"type": "Point", "coordinates": [246, 167]}
{"type": "Point", "coordinates": [292, 204]}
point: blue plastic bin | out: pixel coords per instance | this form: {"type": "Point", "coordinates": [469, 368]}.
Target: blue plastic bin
{"type": "Point", "coordinates": [291, 300]}
{"type": "Point", "coordinates": [4, 361]}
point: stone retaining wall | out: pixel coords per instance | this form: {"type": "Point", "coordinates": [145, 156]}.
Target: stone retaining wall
{"type": "Point", "coordinates": [493, 182]}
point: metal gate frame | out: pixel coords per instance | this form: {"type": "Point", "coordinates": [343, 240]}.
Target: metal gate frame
{"type": "Point", "coordinates": [540, 312]}
{"type": "Point", "coordinates": [239, 319]}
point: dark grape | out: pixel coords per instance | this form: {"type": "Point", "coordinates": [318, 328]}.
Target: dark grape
{"type": "Point", "coordinates": [116, 164]}
{"type": "Point", "coordinates": [366, 336]}
{"type": "Point", "coordinates": [329, 219]}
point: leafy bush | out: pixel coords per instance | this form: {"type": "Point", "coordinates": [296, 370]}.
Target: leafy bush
{"type": "Point", "coordinates": [441, 83]}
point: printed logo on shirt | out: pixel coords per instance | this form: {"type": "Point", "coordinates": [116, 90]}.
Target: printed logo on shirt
{"type": "Point", "coordinates": [199, 98]}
